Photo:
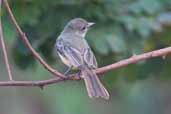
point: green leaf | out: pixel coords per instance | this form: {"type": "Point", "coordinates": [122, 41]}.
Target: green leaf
{"type": "Point", "coordinates": [115, 42]}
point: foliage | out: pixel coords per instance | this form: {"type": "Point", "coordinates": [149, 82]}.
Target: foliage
{"type": "Point", "coordinates": [122, 28]}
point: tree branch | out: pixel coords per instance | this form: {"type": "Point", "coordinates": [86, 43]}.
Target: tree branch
{"type": "Point", "coordinates": [122, 63]}
{"type": "Point", "coordinates": [4, 49]}
{"type": "Point", "coordinates": [31, 83]}
{"type": "Point", "coordinates": [27, 43]}
{"type": "Point", "coordinates": [134, 59]}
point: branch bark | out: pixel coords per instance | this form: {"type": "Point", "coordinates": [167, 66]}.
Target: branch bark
{"type": "Point", "coordinates": [61, 77]}
{"type": "Point", "coordinates": [4, 48]}
{"type": "Point", "coordinates": [31, 83]}
{"type": "Point", "coordinates": [102, 70]}
{"type": "Point", "coordinates": [27, 43]}
{"type": "Point", "coordinates": [134, 59]}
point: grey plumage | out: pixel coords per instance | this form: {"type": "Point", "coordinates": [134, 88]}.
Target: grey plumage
{"type": "Point", "coordinates": [74, 51]}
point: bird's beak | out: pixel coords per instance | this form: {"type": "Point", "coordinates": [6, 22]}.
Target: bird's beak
{"type": "Point", "coordinates": [90, 24]}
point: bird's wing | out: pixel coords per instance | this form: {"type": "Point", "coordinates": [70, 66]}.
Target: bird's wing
{"type": "Point", "coordinates": [89, 58]}
{"type": "Point", "coordinates": [70, 53]}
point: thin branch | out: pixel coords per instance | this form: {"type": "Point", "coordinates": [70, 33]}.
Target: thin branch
{"type": "Point", "coordinates": [4, 49]}
{"type": "Point", "coordinates": [27, 43]}
{"type": "Point", "coordinates": [31, 83]}
{"type": "Point", "coordinates": [41, 83]}
{"type": "Point", "coordinates": [122, 63]}
{"type": "Point", "coordinates": [134, 59]}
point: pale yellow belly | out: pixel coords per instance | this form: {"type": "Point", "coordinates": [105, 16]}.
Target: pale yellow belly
{"type": "Point", "coordinates": [65, 61]}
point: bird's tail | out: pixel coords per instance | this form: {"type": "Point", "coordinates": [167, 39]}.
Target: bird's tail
{"type": "Point", "coordinates": [93, 84]}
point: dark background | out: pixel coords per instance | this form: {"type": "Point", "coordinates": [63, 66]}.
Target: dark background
{"type": "Point", "coordinates": [123, 28]}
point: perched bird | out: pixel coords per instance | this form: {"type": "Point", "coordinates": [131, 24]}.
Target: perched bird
{"type": "Point", "coordinates": [75, 52]}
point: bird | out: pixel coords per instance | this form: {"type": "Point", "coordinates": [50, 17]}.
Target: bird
{"type": "Point", "coordinates": [74, 51]}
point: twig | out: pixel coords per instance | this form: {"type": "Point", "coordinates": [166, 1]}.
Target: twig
{"type": "Point", "coordinates": [135, 59]}
{"type": "Point", "coordinates": [27, 43]}
{"type": "Point", "coordinates": [122, 63]}
{"type": "Point", "coordinates": [4, 49]}
{"type": "Point", "coordinates": [41, 83]}
{"type": "Point", "coordinates": [31, 83]}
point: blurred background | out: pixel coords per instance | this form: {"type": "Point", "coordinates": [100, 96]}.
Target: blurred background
{"type": "Point", "coordinates": [123, 28]}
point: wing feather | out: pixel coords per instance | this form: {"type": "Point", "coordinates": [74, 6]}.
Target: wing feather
{"type": "Point", "coordinates": [70, 53]}
{"type": "Point", "coordinates": [90, 59]}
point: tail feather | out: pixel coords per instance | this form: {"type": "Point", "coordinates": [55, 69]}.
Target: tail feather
{"type": "Point", "coordinates": [93, 84]}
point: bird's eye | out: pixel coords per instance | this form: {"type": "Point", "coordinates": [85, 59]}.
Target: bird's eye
{"type": "Point", "coordinates": [83, 28]}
